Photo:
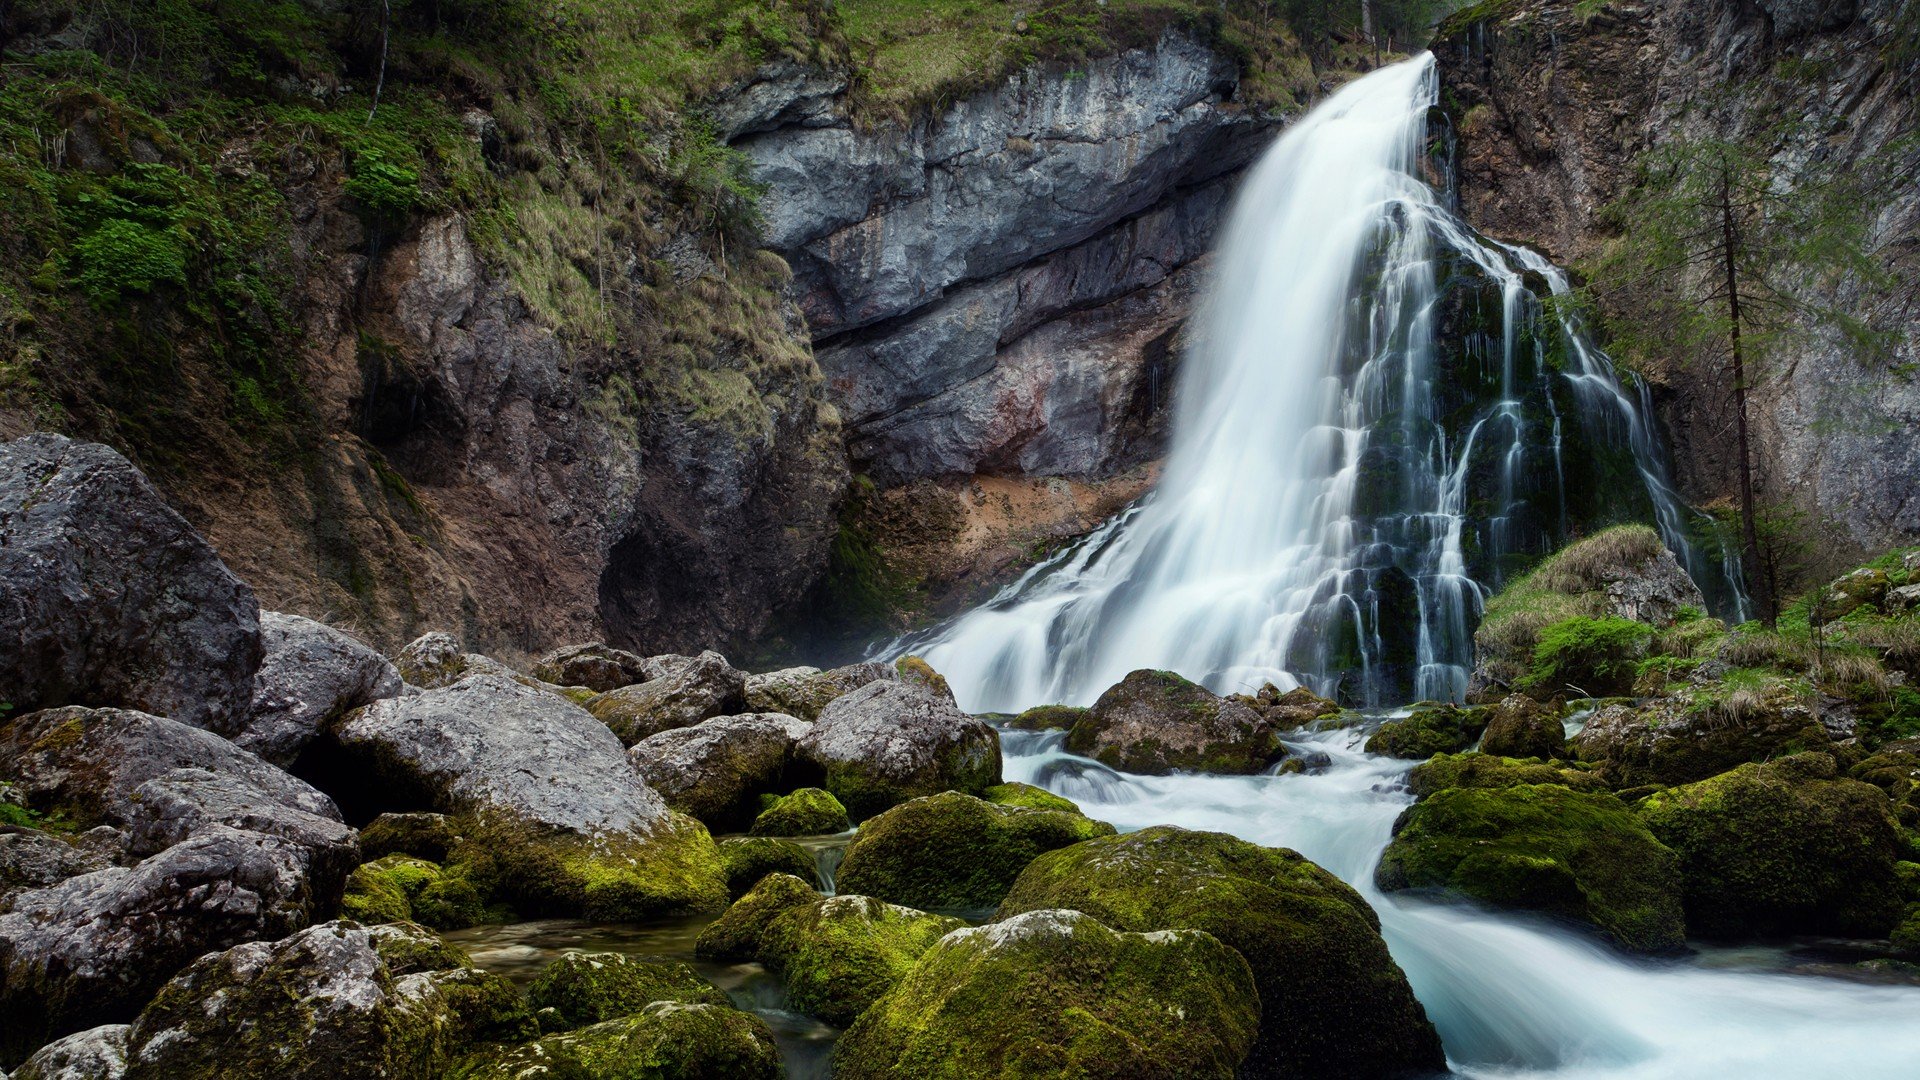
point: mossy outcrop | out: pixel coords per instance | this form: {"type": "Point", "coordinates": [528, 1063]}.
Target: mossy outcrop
{"type": "Point", "coordinates": [1055, 993]}
{"type": "Point", "coordinates": [702, 688]}
{"type": "Point", "coordinates": [1543, 847]}
{"type": "Point", "coordinates": [804, 691]}
{"type": "Point", "coordinates": [888, 742]}
{"type": "Point", "coordinates": [953, 851]}
{"type": "Point", "coordinates": [666, 1040]}
{"type": "Point", "coordinates": [1155, 722]}
{"type": "Point", "coordinates": [1431, 728]}
{"type": "Point", "coordinates": [1520, 727]}
{"type": "Point", "coordinates": [1333, 1002]}
{"type": "Point", "coordinates": [806, 812]}
{"type": "Point", "coordinates": [718, 769]}
{"type": "Point", "coordinates": [838, 955]}
{"type": "Point", "coordinates": [735, 935]}
{"type": "Point", "coordinates": [1786, 847]}
{"type": "Point", "coordinates": [1480, 770]}
{"type": "Point", "coordinates": [1033, 798]}
{"type": "Point", "coordinates": [588, 988]}
{"type": "Point", "coordinates": [401, 888]}
{"type": "Point", "coordinates": [1050, 718]}
{"type": "Point", "coordinates": [747, 859]}
{"type": "Point", "coordinates": [1697, 733]}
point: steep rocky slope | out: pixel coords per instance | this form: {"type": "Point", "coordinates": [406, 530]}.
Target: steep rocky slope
{"type": "Point", "coordinates": [1552, 103]}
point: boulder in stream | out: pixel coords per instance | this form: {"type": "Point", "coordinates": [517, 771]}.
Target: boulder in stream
{"type": "Point", "coordinates": [1431, 728]}
{"type": "Point", "coordinates": [1333, 1002]}
{"type": "Point", "coordinates": [589, 988]}
{"type": "Point", "coordinates": [888, 742]}
{"type": "Point", "coordinates": [1520, 727]}
{"type": "Point", "coordinates": [747, 859]}
{"type": "Point", "coordinates": [953, 851]}
{"type": "Point", "coordinates": [804, 691]}
{"type": "Point", "coordinates": [1055, 993]}
{"type": "Point", "coordinates": [666, 1040]}
{"type": "Point", "coordinates": [1155, 722]}
{"type": "Point", "coordinates": [808, 811]}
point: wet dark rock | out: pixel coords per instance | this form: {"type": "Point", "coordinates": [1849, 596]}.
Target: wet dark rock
{"type": "Point", "coordinates": [1155, 722]}
{"type": "Point", "coordinates": [311, 674]}
{"type": "Point", "coordinates": [888, 742]}
{"type": "Point", "coordinates": [717, 769]}
{"type": "Point", "coordinates": [109, 598]}
{"type": "Point", "coordinates": [700, 689]}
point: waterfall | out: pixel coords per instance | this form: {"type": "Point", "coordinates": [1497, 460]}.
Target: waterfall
{"type": "Point", "coordinates": [1380, 420]}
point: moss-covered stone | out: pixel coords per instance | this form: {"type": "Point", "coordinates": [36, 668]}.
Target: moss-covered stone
{"type": "Point", "coordinates": [954, 851]}
{"type": "Point", "coordinates": [587, 988]}
{"type": "Point", "coordinates": [1895, 769]}
{"type": "Point", "coordinates": [610, 877]}
{"type": "Point", "coordinates": [1056, 994]}
{"type": "Point", "coordinates": [400, 888]}
{"type": "Point", "coordinates": [749, 858]}
{"type": "Point", "coordinates": [1543, 847]}
{"type": "Point", "coordinates": [666, 1040]}
{"type": "Point", "coordinates": [1696, 734]}
{"type": "Point", "coordinates": [1782, 848]}
{"type": "Point", "coordinates": [1033, 798]}
{"type": "Point", "coordinates": [837, 955]}
{"type": "Point", "coordinates": [1520, 727]}
{"type": "Point", "coordinates": [1432, 728]}
{"type": "Point", "coordinates": [806, 812]}
{"type": "Point", "coordinates": [1050, 718]}
{"type": "Point", "coordinates": [1333, 1001]}
{"type": "Point", "coordinates": [1443, 771]}
{"type": "Point", "coordinates": [422, 835]}
{"type": "Point", "coordinates": [1155, 722]}
{"type": "Point", "coordinates": [736, 934]}
{"type": "Point", "coordinates": [917, 672]}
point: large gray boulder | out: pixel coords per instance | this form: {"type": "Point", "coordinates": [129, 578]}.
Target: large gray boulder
{"type": "Point", "coordinates": [109, 597]}
{"type": "Point", "coordinates": [190, 802]}
{"type": "Point", "coordinates": [333, 1000]}
{"type": "Point", "coordinates": [716, 769]}
{"type": "Point", "coordinates": [1155, 722]}
{"type": "Point", "coordinates": [543, 792]}
{"type": "Point", "coordinates": [888, 742]}
{"type": "Point", "coordinates": [31, 859]}
{"type": "Point", "coordinates": [94, 1054]}
{"type": "Point", "coordinates": [93, 948]}
{"type": "Point", "coordinates": [804, 691]}
{"type": "Point", "coordinates": [311, 674]}
{"type": "Point", "coordinates": [699, 689]}
{"type": "Point", "coordinates": [91, 763]}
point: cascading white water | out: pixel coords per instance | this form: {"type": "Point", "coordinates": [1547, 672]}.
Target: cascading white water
{"type": "Point", "coordinates": [1327, 488]}
{"type": "Point", "coordinates": [1515, 998]}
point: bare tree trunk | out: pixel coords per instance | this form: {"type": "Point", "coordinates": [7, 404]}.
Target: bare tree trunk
{"type": "Point", "coordinates": [1758, 578]}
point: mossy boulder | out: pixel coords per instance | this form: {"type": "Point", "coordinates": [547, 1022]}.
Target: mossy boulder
{"type": "Point", "coordinates": [1431, 728]}
{"type": "Point", "coordinates": [747, 859]}
{"type": "Point", "coordinates": [1055, 993]}
{"type": "Point", "coordinates": [700, 689]}
{"type": "Point", "coordinates": [336, 999]}
{"type": "Point", "coordinates": [1033, 798]}
{"type": "Point", "coordinates": [803, 692]}
{"type": "Point", "coordinates": [1050, 718]}
{"type": "Point", "coordinates": [1543, 847]}
{"type": "Point", "coordinates": [423, 835]}
{"type": "Point", "coordinates": [1785, 847]}
{"type": "Point", "coordinates": [587, 988]}
{"type": "Point", "coordinates": [838, 955]}
{"type": "Point", "coordinates": [1895, 769]}
{"type": "Point", "coordinates": [666, 1040]}
{"type": "Point", "coordinates": [1155, 722]}
{"type": "Point", "coordinates": [888, 742]}
{"type": "Point", "coordinates": [1696, 734]}
{"type": "Point", "coordinates": [736, 934]}
{"type": "Point", "coordinates": [954, 851]}
{"type": "Point", "coordinates": [1520, 727]}
{"type": "Point", "coordinates": [1865, 587]}
{"type": "Point", "coordinates": [1333, 1001]}
{"type": "Point", "coordinates": [1906, 935]}
{"type": "Point", "coordinates": [806, 812]}
{"type": "Point", "coordinates": [1478, 770]}
{"type": "Point", "coordinates": [914, 671]}
{"type": "Point", "coordinates": [401, 888]}
{"type": "Point", "coordinates": [717, 769]}
{"type": "Point", "coordinates": [1290, 710]}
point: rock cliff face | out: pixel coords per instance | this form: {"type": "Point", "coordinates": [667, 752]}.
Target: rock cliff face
{"type": "Point", "coordinates": [994, 289]}
{"type": "Point", "coordinates": [1551, 106]}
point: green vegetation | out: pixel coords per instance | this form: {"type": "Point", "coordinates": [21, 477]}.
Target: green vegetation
{"type": "Point", "coordinates": [665, 1039]}
{"type": "Point", "coordinates": [955, 852]}
{"type": "Point", "coordinates": [747, 859]}
{"type": "Point", "coordinates": [806, 812]}
{"type": "Point", "coordinates": [588, 988]}
{"type": "Point", "coordinates": [1594, 657]}
{"type": "Point", "coordinates": [1432, 728]}
{"type": "Point", "coordinates": [400, 888]}
{"type": "Point", "coordinates": [735, 935]}
{"type": "Point", "coordinates": [1543, 847]}
{"type": "Point", "coordinates": [837, 956]}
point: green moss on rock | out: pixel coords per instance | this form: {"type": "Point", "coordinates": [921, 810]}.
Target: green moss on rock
{"type": "Point", "coordinates": [1050, 718]}
{"type": "Point", "coordinates": [610, 877]}
{"type": "Point", "coordinates": [1520, 727]}
{"type": "Point", "coordinates": [954, 851]}
{"type": "Point", "coordinates": [747, 859]}
{"type": "Point", "coordinates": [400, 888]}
{"type": "Point", "coordinates": [806, 812]}
{"type": "Point", "coordinates": [1057, 994]}
{"type": "Point", "coordinates": [666, 1040]}
{"type": "Point", "coordinates": [1543, 847]}
{"type": "Point", "coordinates": [735, 935]}
{"type": "Point", "coordinates": [1782, 848]}
{"type": "Point", "coordinates": [838, 955]}
{"type": "Point", "coordinates": [1432, 728]}
{"type": "Point", "coordinates": [1155, 722]}
{"type": "Point", "coordinates": [587, 988]}
{"type": "Point", "coordinates": [1033, 798]}
{"type": "Point", "coordinates": [1333, 1001]}
{"type": "Point", "coordinates": [1479, 770]}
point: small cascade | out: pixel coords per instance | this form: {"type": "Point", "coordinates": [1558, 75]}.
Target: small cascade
{"type": "Point", "coordinates": [1385, 416]}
